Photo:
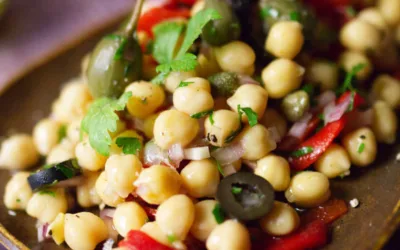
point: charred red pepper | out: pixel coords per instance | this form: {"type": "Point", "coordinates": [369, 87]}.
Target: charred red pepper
{"type": "Point", "coordinates": [138, 240]}
{"type": "Point", "coordinates": [327, 212]}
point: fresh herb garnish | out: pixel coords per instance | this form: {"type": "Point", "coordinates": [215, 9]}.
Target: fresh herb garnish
{"type": "Point", "coordinates": [348, 81]}
{"type": "Point", "coordinates": [309, 89]}
{"type": "Point", "coordinates": [236, 190]}
{"type": "Point", "coordinates": [102, 119]}
{"type": "Point", "coordinates": [251, 115]}
{"type": "Point", "coordinates": [18, 200]}
{"type": "Point", "coordinates": [171, 238]}
{"type": "Point", "coordinates": [47, 166]}
{"type": "Point", "coordinates": [350, 11]}
{"type": "Point", "coordinates": [302, 151]}
{"type": "Point", "coordinates": [218, 213]}
{"type": "Point", "coordinates": [166, 38]}
{"type": "Point", "coordinates": [184, 84]}
{"type": "Point", "coordinates": [267, 11]}
{"type": "Point", "coordinates": [201, 114]}
{"type": "Point", "coordinates": [129, 145]}
{"type": "Point", "coordinates": [294, 16]}
{"type": "Point", "coordinates": [47, 192]}
{"type": "Point", "coordinates": [211, 117]}
{"type": "Point", "coordinates": [67, 172]}
{"type": "Point", "coordinates": [361, 148]}
{"type": "Point", "coordinates": [219, 167]}
{"type": "Point", "coordinates": [351, 104]}
{"type": "Point", "coordinates": [62, 132]}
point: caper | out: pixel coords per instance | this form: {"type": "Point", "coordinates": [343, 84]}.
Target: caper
{"type": "Point", "coordinates": [295, 105]}
{"type": "Point", "coordinates": [224, 83]}
{"type": "Point", "coordinates": [116, 60]}
{"type": "Point", "coordinates": [221, 31]}
{"type": "Point", "coordinates": [245, 196]}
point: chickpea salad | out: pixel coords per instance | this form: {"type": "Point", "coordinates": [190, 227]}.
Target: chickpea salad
{"type": "Point", "coordinates": [213, 124]}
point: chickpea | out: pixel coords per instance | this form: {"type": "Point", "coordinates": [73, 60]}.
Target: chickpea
{"type": "Point", "coordinates": [361, 146]}
{"type": "Point", "coordinates": [198, 6]}
{"type": "Point", "coordinates": [273, 119]}
{"type": "Point", "coordinates": [122, 171]}
{"type": "Point", "coordinates": [281, 220]}
{"type": "Point", "coordinates": [199, 83]}
{"type": "Point", "coordinates": [62, 152]}
{"type": "Point", "coordinates": [73, 102]}
{"type": "Point", "coordinates": [251, 96]}
{"type": "Point", "coordinates": [285, 39]}
{"type": "Point", "coordinates": [129, 216]}
{"type": "Point", "coordinates": [387, 88]}
{"type": "Point", "coordinates": [374, 17]}
{"type": "Point", "coordinates": [349, 59]}
{"type": "Point", "coordinates": [56, 229]}
{"type": "Point", "coordinates": [390, 10]}
{"type": "Point", "coordinates": [281, 77]}
{"type": "Point", "coordinates": [323, 73]}
{"type": "Point", "coordinates": [256, 141]}
{"type": "Point", "coordinates": [230, 235]}
{"type": "Point", "coordinates": [384, 123]}
{"type": "Point", "coordinates": [200, 178]}
{"type": "Point", "coordinates": [86, 193]}
{"type": "Point", "coordinates": [17, 191]}
{"type": "Point", "coordinates": [333, 162]}
{"type": "Point", "coordinates": [74, 131]}
{"type": "Point", "coordinates": [236, 57]}
{"type": "Point", "coordinates": [157, 183]}
{"type": "Point", "coordinates": [114, 150]}
{"type": "Point", "coordinates": [295, 105]}
{"type": "Point", "coordinates": [18, 152]}
{"type": "Point", "coordinates": [46, 205]}
{"type": "Point", "coordinates": [174, 127]}
{"type": "Point", "coordinates": [153, 230]}
{"type": "Point", "coordinates": [46, 135]}
{"type": "Point", "coordinates": [88, 158]}
{"type": "Point", "coordinates": [83, 231]}
{"type": "Point", "coordinates": [175, 216]}
{"type": "Point", "coordinates": [207, 65]}
{"type": "Point", "coordinates": [146, 98]}
{"type": "Point", "coordinates": [275, 170]}
{"type": "Point", "coordinates": [204, 220]}
{"type": "Point", "coordinates": [191, 100]}
{"type": "Point", "coordinates": [174, 78]}
{"type": "Point", "coordinates": [121, 127]}
{"type": "Point", "coordinates": [308, 189]}
{"type": "Point", "coordinates": [148, 125]}
{"type": "Point", "coordinates": [353, 36]}
{"type": "Point", "coordinates": [226, 122]}
{"type": "Point", "coordinates": [105, 192]}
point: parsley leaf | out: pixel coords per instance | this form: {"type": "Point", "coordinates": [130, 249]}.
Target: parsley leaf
{"type": "Point", "coordinates": [309, 88]}
{"type": "Point", "coordinates": [102, 119]}
{"type": "Point", "coordinates": [347, 84]}
{"type": "Point", "coordinates": [219, 167]}
{"type": "Point", "coordinates": [184, 84]}
{"type": "Point", "coordinates": [267, 11]}
{"type": "Point", "coordinates": [236, 190]}
{"type": "Point", "coordinates": [129, 145]}
{"type": "Point", "coordinates": [218, 213]}
{"type": "Point", "coordinates": [67, 172]}
{"type": "Point", "coordinates": [47, 192]}
{"type": "Point", "coordinates": [302, 151]}
{"type": "Point", "coordinates": [294, 16]}
{"type": "Point", "coordinates": [251, 115]}
{"type": "Point", "coordinates": [171, 238]}
{"type": "Point", "coordinates": [361, 148]}
{"type": "Point", "coordinates": [62, 132]}
{"type": "Point", "coordinates": [201, 114]}
{"type": "Point", "coordinates": [166, 37]}
{"type": "Point", "coordinates": [18, 200]}
{"type": "Point", "coordinates": [211, 117]}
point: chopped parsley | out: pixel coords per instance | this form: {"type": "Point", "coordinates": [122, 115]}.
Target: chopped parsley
{"type": "Point", "coordinates": [302, 151]}
{"type": "Point", "coordinates": [171, 238]}
{"type": "Point", "coordinates": [47, 166]}
{"type": "Point", "coordinates": [267, 11]}
{"type": "Point", "coordinates": [361, 148]}
{"type": "Point", "coordinates": [201, 114]}
{"type": "Point", "coordinates": [294, 16]}
{"type": "Point", "coordinates": [47, 192]}
{"type": "Point", "coordinates": [251, 115]}
{"type": "Point", "coordinates": [218, 213]}
{"type": "Point", "coordinates": [309, 89]}
{"type": "Point", "coordinates": [351, 104]}
{"type": "Point", "coordinates": [184, 84]}
{"type": "Point", "coordinates": [348, 81]}
{"type": "Point", "coordinates": [62, 132]}
{"type": "Point", "coordinates": [18, 200]}
{"type": "Point", "coordinates": [219, 167]}
{"type": "Point", "coordinates": [236, 190]}
{"type": "Point", "coordinates": [211, 117]}
{"type": "Point", "coordinates": [129, 145]}
{"type": "Point", "coordinates": [67, 172]}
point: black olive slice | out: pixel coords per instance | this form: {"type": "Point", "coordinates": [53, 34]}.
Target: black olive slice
{"type": "Point", "coordinates": [245, 196]}
{"type": "Point", "coordinates": [51, 175]}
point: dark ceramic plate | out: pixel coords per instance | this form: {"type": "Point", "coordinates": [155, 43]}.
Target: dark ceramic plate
{"type": "Point", "coordinates": [366, 227]}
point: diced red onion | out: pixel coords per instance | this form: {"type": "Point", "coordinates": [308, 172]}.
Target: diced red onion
{"type": "Point", "coordinates": [138, 124]}
{"type": "Point", "coordinates": [359, 119]}
{"type": "Point", "coordinates": [153, 154]}
{"type": "Point", "coordinates": [229, 154]}
{"type": "Point", "coordinates": [42, 231]}
{"type": "Point", "coordinates": [73, 182]}
{"type": "Point", "coordinates": [141, 189]}
{"type": "Point", "coordinates": [228, 169]}
{"type": "Point", "coordinates": [274, 133]}
{"type": "Point", "coordinates": [325, 98]}
{"type": "Point", "coordinates": [245, 79]}
{"type": "Point", "coordinates": [176, 154]}
{"type": "Point", "coordinates": [300, 127]}
{"type": "Point", "coordinates": [250, 164]}
{"type": "Point", "coordinates": [197, 153]}
{"type": "Point", "coordinates": [107, 212]}
{"type": "Point", "coordinates": [112, 233]}
{"type": "Point", "coordinates": [108, 244]}
{"type": "Point", "coordinates": [334, 112]}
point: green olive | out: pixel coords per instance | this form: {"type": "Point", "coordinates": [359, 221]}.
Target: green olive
{"type": "Point", "coordinates": [116, 61]}
{"type": "Point", "coordinates": [224, 83]}
{"type": "Point", "coordinates": [3, 5]}
{"type": "Point", "coordinates": [245, 196]}
{"type": "Point", "coordinates": [224, 30]}
{"type": "Point", "coordinates": [295, 105]}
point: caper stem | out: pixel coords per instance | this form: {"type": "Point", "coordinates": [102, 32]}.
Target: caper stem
{"type": "Point", "coordinates": [131, 27]}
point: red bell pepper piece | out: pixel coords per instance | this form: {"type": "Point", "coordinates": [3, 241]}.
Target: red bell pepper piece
{"type": "Point", "coordinates": [157, 15]}
{"type": "Point", "coordinates": [138, 240]}
{"type": "Point", "coordinates": [319, 143]}
{"type": "Point", "coordinates": [358, 100]}
{"type": "Point", "coordinates": [327, 212]}
{"type": "Point", "coordinates": [309, 236]}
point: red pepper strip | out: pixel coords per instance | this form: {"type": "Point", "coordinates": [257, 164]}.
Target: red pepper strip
{"type": "Point", "coordinates": [156, 15]}
{"type": "Point", "coordinates": [309, 236]}
{"type": "Point", "coordinates": [319, 143]}
{"type": "Point", "coordinates": [138, 240]}
{"type": "Point", "coordinates": [327, 212]}
{"type": "Point", "coordinates": [358, 100]}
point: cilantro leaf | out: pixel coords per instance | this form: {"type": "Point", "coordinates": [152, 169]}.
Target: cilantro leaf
{"type": "Point", "coordinates": [159, 79]}
{"type": "Point", "coordinates": [219, 167]}
{"type": "Point", "coordinates": [309, 88]}
{"type": "Point", "coordinates": [211, 117]}
{"type": "Point", "coordinates": [218, 213]}
{"type": "Point", "coordinates": [166, 38]}
{"type": "Point", "coordinates": [236, 190]}
{"type": "Point", "coordinates": [294, 16]}
{"type": "Point", "coordinates": [186, 62]}
{"type": "Point", "coordinates": [302, 151]}
{"type": "Point", "coordinates": [67, 172]}
{"type": "Point", "coordinates": [102, 119]}
{"type": "Point", "coordinates": [171, 238]}
{"type": "Point", "coordinates": [184, 84]}
{"type": "Point", "coordinates": [47, 192]}
{"type": "Point", "coordinates": [62, 132]}
{"type": "Point", "coordinates": [201, 114]}
{"type": "Point", "coordinates": [251, 115]}
{"type": "Point", "coordinates": [129, 145]}
{"type": "Point", "coordinates": [347, 84]}
{"type": "Point", "coordinates": [361, 148]}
